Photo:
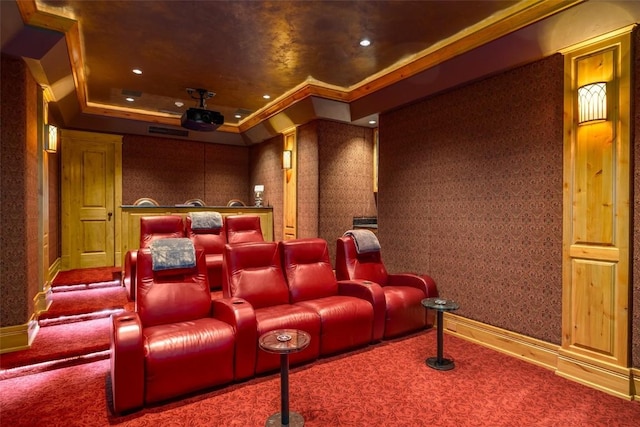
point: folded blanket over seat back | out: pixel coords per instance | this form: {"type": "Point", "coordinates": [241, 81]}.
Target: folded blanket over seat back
{"type": "Point", "coordinates": [172, 253]}
{"type": "Point", "coordinates": [206, 220]}
{"type": "Point", "coordinates": [365, 240]}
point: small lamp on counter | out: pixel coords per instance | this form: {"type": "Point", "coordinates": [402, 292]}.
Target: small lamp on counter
{"type": "Point", "coordinates": [258, 192]}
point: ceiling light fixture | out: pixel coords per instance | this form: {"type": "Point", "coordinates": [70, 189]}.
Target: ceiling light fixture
{"type": "Point", "coordinates": [365, 42]}
{"type": "Point", "coordinates": [178, 104]}
{"type": "Point", "coordinates": [130, 99]}
{"type": "Point", "coordinates": [137, 71]}
{"type": "Point", "coordinates": [372, 122]}
{"type": "Point", "coordinates": [266, 96]}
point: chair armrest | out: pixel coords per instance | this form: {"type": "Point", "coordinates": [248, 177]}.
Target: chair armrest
{"type": "Point", "coordinates": [129, 276]}
{"type": "Point", "coordinates": [238, 313]}
{"type": "Point", "coordinates": [372, 292]}
{"type": "Point", "coordinates": [424, 283]}
{"type": "Point", "coordinates": [127, 361]}
{"type": "Point", "coordinates": [432, 290]}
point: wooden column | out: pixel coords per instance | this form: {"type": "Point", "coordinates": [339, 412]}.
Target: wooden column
{"type": "Point", "coordinates": [290, 194]}
{"type": "Point", "coordinates": [596, 234]}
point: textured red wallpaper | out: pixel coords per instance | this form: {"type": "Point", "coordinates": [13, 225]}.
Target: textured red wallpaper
{"type": "Point", "coordinates": [308, 180]}
{"type": "Point", "coordinates": [266, 170]}
{"type": "Point", "coordinates": [471, 192]}
{"type": "Point", "coordinates": [19, 197]}
{"type": "Point", "coordinates": [345, 188]}
{"type": "Point", "coordinates": [635, 329]}
{"type": "Point", "coordinates": [174, 171]}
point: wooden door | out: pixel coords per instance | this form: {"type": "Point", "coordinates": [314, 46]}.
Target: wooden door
{"type": "Point", "coordinates": [89, 199]}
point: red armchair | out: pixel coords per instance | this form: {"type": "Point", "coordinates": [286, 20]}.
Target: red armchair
{"type": "Point", "coordinates": [151, 228]}
{"type": "Point", "coordinates": [171, 345]}
{"type": "Point", "coordinates": [243, 228]}
{"type": "Point", "coordinates": [254, 284]}
{"type": "Point", "coordinates": [351, 312]}
{"type": "Point", "coordinates": [403, 292]}
{"type": "Point", "coordinates": [212, 240]}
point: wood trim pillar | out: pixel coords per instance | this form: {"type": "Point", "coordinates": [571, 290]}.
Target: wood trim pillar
{"type": "Point", "coordinates": [596, 220]}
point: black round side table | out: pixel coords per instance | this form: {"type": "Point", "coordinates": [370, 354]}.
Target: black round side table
{"type": "Point", "coordinates": [284, 342]}
{"type": "Point", "coordinates": [440, 305]}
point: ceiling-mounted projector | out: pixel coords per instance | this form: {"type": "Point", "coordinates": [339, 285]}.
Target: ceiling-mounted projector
{"type": "Point", "coordinates": [201, 119]}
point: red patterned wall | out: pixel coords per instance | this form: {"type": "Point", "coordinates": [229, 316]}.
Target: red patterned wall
{"type": "Point", "coordinates": [635, 330]}
{"type": "Point", "coordinates": [308, 180]}
{"type": "Point", "coordinates": [345, 167]}
{"type": "Point", "coordinates": [266, 160]}
{"type": "Point", "coordinates": [19, 246]}
{"type": "Point", "coordinates": [471, 193]}
{"type": "Point", "coordinates": [174, 171]}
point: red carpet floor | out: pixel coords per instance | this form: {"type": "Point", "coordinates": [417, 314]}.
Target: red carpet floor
{"type": "Point", "coordinates": [60, 342]}
{"type": "Point", "coordinates": [385, 385]}
{"type": "Point", "coordinates": [85, 276]}
{"type": "Point", "coordinates": [86, 301]}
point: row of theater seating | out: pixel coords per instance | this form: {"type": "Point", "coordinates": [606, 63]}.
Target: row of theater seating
{"type": "Point", "coordinates": [180, 340]}
{"type": "Point", "coordinates": [232, 229]}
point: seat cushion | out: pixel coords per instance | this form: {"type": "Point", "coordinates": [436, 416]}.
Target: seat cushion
{"type": "Point", "coordinates": [346, 322]}
{"type": "Point", "coordinates": [187, 356]}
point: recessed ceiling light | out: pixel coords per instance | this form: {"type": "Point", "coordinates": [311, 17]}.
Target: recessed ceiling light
{"type": "Point", "coordinates": [266, 96]}
{"type": "Point", "coordinates": [130, 99]}
{"type": "Point", "coordinates": [238, 116]}
{"type": "Point", "coordinates": [372, 122]}
{"type": "Point", "coordinates": [365, 42]}
{"type": "Point", "coordinates": [137, 71]}
{"type": "Point", "coordinates": [179, 104]}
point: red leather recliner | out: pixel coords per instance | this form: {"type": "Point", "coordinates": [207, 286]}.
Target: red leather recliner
{"type": "Point", "coordinates": [403, 292]}
{"type": "Point", "coordinates": [254, 283]}
{"type": "Point", "coordinates": [351, 312]}
{"type": "Point", "coordinates": [171, 344]}
{"type": "Point", "coordinates": [243, 228]}
{"type": "Point", "coordinates": [212, 241]}
{"type": "Point", "coordinates": [151, 228]}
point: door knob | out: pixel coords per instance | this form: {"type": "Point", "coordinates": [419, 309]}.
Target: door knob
{"type": "Point", "coordinates": [109, 216]}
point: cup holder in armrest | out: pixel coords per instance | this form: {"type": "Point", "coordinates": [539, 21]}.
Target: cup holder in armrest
{"type": "Point", "coordinates": [237, 302]}
{"type": "Point", "coordinates": [125, 319]}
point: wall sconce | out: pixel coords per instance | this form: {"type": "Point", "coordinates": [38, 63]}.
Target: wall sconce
{"type": "Point", "coordinates": [592, 102]}
{"type": "Point", "coordinates": [50, 139]}
{"type": "Point", "coordinates": [258, 191]}
{"type": "Point", "coordinates": [287, 159]}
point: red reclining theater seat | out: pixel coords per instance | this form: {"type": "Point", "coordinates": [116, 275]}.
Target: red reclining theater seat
{"type": "Point", "coordinates": [151, 228]}
{"type": "Point", "coordinates": [243, 228]}
{"type": "Point", "coordinates": [254, 286]}
{"type": "Point", "coordinates": [171, 345]}
{"type": "Point", "coordinates": [206, 231]}
{"type": "Point", "coordinates": [351, 312]}
{"type": "Point", "coordinates": [403, 292]}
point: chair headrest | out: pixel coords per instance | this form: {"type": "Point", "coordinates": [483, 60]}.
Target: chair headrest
{"type": "Point", "coordinates": [365, 240]}
{"type": "Point", "coordinates": [205, 221]}
{"type": "Point", "coordinates": [172, 254]}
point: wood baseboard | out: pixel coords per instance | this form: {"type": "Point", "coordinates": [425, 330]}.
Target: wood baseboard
{"type": "Point", "coordinates": [622, 382]}
{"type": "Point", "coordinates": [54, 269]}
{"type": "Point", "coordinates": [18, 337]}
